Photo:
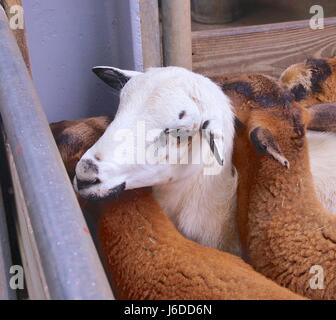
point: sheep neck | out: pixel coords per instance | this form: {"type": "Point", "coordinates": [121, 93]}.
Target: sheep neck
{"type": "Point", "coordinates": [273, 197]}
{"type": "Point", "coordinates": [276, 187]}
{"type": "Point", "coordinates": [203, 208]}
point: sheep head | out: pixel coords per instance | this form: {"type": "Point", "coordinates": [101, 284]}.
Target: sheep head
{"type": "Point", "coordinates": [271, 120]}
{"type": "Point", "coordinates": [149, 141]}
{"type": "Point", "coordinates": [311, 82]}
{"type": "Point", "coordinates": [280, 132]}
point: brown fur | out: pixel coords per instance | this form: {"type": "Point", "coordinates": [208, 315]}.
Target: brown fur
{"type": "Point", "coordinates": [285, 231]}
{"type": "Point", "coordinates": [325, 119]}
{"type": "Point", "coordinates": [74, 138]}
{"type": "Point", "coordinates": [311, 82]}
{"type": "Point", "coordinates": [147, 257]}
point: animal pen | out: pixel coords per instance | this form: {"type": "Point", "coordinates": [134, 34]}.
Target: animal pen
{"type": "Point", "coordinates": [41, 224]}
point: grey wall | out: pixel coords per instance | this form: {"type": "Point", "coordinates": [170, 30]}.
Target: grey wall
{"type": "Point", "coordinates": [68, 37]}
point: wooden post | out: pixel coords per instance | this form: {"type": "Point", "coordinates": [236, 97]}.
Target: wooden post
{"type": "Point", "coordinates": [150, 33]}
{"type": "Point", "coordinates": [19, 33]}
{"type": "Point", "coordinates": [176, 27]}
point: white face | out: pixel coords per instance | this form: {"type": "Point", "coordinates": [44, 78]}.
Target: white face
{"type": "Point", "coordinates": [133, 152]}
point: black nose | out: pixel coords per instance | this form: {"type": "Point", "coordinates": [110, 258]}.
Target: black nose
{"type": "Point", "coordinates": [83, 184]}
{"type": "Point", "coordinates": [88, 166]}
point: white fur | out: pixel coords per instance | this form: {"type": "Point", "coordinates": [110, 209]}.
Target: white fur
{"type": "Point", "coordinates": [322, 151]}
{"type": "Point", "coordinates": [202, 207]}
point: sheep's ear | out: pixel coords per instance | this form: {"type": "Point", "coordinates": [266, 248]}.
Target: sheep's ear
{"type": "Point", "coordinates": [213, 143]}
{"type": "Point", "coordinates": [214, 140]}
{"type": "Point", "coordinates": [265, 144]}
{"type": "Point", "coordinates": [322, 117]}
{"type": "Point", "coordinates": [114, 77]}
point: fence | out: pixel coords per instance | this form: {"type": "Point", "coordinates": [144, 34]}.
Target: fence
{"type": "Point", "coordinates": [58, 253]}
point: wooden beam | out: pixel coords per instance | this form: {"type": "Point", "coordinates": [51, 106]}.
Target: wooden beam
{"type": "Point", "coordinates": [19, 34]}
{"type": "Point", "coordinates": [265, 49]}
{"type": "Point", "coordinates": [176, 29]}
{"type": "Point", "coordinates": [150, 33]}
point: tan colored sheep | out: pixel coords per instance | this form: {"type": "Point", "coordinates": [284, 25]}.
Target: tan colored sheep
{"type": "Point", "coordinates": [312, 82]}
{"type": "Point", "coordinates": [286, 232]}
{"type": "Point", "coordinates": [149, 259]}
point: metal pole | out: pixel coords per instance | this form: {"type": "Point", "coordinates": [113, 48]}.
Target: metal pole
{"type": "Point", "coordinates": [6, 293]}
{"type": "Point", "coordinates": [150, 33]}
{"type": "Point", "coordinates": [176, 28]}
{"type": "Point", "coordinates": [69, 259]}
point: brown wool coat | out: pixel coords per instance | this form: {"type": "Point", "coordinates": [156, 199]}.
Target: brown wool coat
{"type": "Point", "coordinates": [284, 228]}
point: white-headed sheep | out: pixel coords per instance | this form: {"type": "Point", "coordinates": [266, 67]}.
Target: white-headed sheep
{"type": "Point", "coordinates": [163, 100]}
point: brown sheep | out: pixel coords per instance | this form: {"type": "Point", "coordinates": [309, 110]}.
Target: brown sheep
{"type": "Point", "coordinates": [285, 230]}
{"type": "Point", "coordinates": [147, 258]}
{"type": "Point", "coordinates": [311, 82]}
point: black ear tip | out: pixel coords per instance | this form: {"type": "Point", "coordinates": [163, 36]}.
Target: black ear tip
{"type": "Point", "coordinates": [98, 71]}
{"type": "Point", "coordinates": [112, 77]}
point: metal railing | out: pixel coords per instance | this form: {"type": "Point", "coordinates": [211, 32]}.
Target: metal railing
{"type": "Point", "coordinates": [69, 261]}
{"type": "Point", "coordinates": [6, 293]}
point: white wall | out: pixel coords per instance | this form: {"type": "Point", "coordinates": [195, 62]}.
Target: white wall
{"type": "Point", "coordinates": [68, 37]}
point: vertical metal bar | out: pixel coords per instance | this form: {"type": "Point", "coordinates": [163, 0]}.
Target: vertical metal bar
{"type": "Point", "coordinates": [37, 286]}
{"type": "Point", "coordinates": [176, 27]}
{"type": "Point", "coordinates": [68, 256]}
{"type": "Point", "coordinates": [6, 293]}
{"type": "Point", "coordinates": [150, 33]}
